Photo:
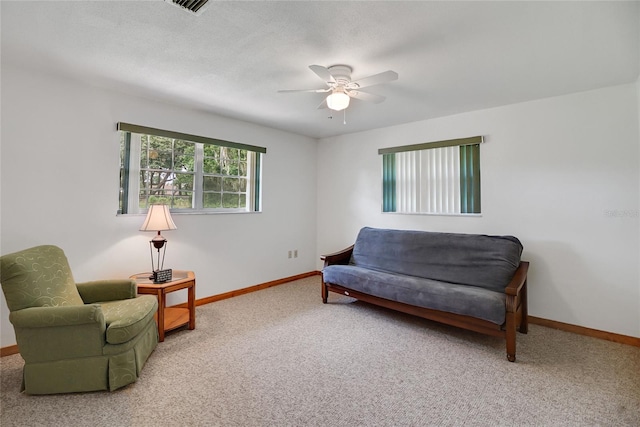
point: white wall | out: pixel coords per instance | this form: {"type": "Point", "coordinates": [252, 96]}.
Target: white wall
{"type": "Point", "coordinates": [561, 174]}
{"type": "Point", "coordinates": [59, 177]}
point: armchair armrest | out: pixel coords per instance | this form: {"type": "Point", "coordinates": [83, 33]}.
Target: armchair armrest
{"type": "Point", "coordinates": [46, 317]}
{"type": "Point", "coordinates": [340, 257]}
{"type": "Point", "coordinates": [107, 290]}
{"type": "Point", "coordinates": [54, 333]}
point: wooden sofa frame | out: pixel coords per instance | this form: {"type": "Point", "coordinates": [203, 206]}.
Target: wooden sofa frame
{"type": "Point", "coordinates": [516, 305]}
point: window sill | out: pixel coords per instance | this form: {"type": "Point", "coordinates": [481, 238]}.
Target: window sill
{"type": "Point", "coordinates": [178, 212]}
{"type": "Point", "coordinates": [476, 215]}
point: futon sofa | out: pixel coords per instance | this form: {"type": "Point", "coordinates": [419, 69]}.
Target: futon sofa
{"type": "Point", "coordinates": [472, 281]}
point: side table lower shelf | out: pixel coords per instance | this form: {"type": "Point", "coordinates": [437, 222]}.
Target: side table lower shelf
{"type": "Point", "coordinates": [170, 318]}
{"type": "Point", "coordinates": [175, 317]}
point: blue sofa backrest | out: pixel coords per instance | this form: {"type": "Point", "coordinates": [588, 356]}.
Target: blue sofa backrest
{"type": "Point", "coordinates": [468, 259]}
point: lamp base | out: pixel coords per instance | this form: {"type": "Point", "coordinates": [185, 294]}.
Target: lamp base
{"type": "Point", "coordinates": [162, 276]}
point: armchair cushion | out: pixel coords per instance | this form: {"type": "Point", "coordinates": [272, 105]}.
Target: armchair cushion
{"type": "Point", "coordinates": [38, 277]}
{"type": "Point", "coordinates": [125, 319]}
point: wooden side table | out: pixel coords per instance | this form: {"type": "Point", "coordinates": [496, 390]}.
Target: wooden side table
{"type": "Point", "coordinates": [170, 318]}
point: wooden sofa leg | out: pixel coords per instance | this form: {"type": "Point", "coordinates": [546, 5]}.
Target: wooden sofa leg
{"type": "Point", "coordinates": [524, 321]}
{"type": "Point", "coordinates": [511, 336]}
{"type": "Point", "coordinates": [325, 293]}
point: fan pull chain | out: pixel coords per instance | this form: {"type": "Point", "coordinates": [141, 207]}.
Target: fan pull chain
{"type": "Point", "coordinates": [344, 120]}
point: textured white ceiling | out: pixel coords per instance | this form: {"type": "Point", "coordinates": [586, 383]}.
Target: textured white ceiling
{"type": "Point", "coordinates": [233, 57]}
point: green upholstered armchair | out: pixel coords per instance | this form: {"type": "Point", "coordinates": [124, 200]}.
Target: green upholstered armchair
{"type": "Point", "coordinates": [75, 337]}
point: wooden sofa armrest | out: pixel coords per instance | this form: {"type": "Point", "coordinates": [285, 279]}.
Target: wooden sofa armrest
{"type": "Point", "coordinates": [517, 313]}
{"type": "Point", "coordinates": [340, 257]}
{"type": "Point", "coordinates": [519, 279]}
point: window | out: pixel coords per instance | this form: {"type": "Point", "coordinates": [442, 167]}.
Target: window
{"type": "Point", "coordinates": [436, 178]}
{"type": "Point", "coordinates": [187, 172]}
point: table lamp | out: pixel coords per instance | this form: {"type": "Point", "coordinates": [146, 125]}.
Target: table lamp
{"type": "Point", "coordinates": [158, 219]}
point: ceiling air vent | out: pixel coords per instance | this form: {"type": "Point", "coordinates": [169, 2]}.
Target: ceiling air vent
{"type": "Point", "coordinates": [192, 5]}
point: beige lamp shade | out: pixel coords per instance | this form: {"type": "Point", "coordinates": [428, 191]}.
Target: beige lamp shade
{"type": "Point", "coordinates": [158, 219]}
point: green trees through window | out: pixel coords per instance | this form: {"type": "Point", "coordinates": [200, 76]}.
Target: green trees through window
{"type": "Point", "coordinates": [166, 172]}
{"type": "Point", "coordinates": [186, 175]}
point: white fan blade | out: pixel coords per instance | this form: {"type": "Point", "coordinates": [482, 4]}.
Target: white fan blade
{"type": "Point", "coordinates": [365, 96]}
{"type": "Point", "coordinates": [323, 73]}
{"type": "Point", "coordinates": [305, 90]}
{"type": "Point", "coordinates": [376, 79]}
{"type": "Point", "coordinates": [323, 104]}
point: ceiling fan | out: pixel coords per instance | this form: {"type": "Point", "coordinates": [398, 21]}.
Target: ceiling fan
{"type": "Point", "coordinates": [341, 89]}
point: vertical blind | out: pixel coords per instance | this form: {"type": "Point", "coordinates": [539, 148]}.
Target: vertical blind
{"type": "Point", "coordinates": [470, 178]}
{"type": "Point", "coordinates": [439, 178]}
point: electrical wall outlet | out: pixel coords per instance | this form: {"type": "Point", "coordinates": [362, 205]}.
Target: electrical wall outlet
{"type": "Point", "coordinates": [289, 254]}
{"type": "Point", "coordinates": [295, 253]}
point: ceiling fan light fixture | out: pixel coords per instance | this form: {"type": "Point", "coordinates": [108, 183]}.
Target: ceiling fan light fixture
{"type": "Point", "coordinates": [338, 101]}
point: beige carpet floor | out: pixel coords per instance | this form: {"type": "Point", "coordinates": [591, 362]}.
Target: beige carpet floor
{"type": "Point", "coordinates": [279, 357]}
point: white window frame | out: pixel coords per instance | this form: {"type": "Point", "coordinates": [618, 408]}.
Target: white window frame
{"type": "Point", "coordinates": [435, 178]}
{"type": "Point", "coordinates": [133, 169]}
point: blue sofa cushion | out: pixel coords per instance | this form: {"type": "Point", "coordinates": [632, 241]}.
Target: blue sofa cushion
{"type": "Point", "coordinates": [449, 297]}
{"type": "Point", "coordinates": [477, 260]}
